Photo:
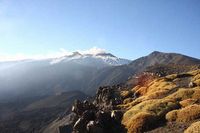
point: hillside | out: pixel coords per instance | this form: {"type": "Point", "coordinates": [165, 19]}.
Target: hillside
{"type": "Point", "coordinates": [37, 78]}
{"type": "Point", "coordinates": [32, 116]}
{"type": "Point", "coordinates": [156, 104]}
{"type": "Point", "coordinates": [59, 101]}
{"type": "Point", "coordinates": [120, 74]}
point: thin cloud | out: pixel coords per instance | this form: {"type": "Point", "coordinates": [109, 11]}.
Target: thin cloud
{"type": "Point", "coordinates": [92, 51]}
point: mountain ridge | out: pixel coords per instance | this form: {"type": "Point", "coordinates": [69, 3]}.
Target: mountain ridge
{"type": "Point", "coordinates": [119, 74]}
{"type": "Point", "coordinates": [89, 72]}
{"type": "Point", "coordinates": [42, 82]}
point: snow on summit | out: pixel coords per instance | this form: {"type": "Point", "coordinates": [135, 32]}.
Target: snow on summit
{"type": "Point", "coordinates": [91, 56]}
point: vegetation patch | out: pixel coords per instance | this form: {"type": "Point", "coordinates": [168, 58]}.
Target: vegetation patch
{"type": "Point", "coordinates": [162, 99]}
{"type": "Point", "coordinates": [186, 114]}
{"type": "Point", "coordinates": [188, 102]}
{"type": "Point", "coordinates": [194, 128]}
{"type": "Point", "coordinates": [155, 109]}
{"type": "Point", "coordinates": [140, 122]}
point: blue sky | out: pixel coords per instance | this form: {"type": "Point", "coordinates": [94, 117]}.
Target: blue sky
{"type": "Point", "coordinates": [126, 28]}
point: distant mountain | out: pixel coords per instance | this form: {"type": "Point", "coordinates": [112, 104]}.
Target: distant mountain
{"type": "Point", "coordinates": [84, 72]}
{"type": "Point", "coordinates": [164, 58]}
{"type": "Point", "coordinates": [29, 78]}
{"type": "Point", "coordinates": [120, 74]}
{"type": "Point", "coordinates": [99, 60]}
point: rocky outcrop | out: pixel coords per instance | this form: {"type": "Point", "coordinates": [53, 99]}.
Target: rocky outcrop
{"type": "Point", "coordinates": [100, 115]}
{"type": "Point", "coordinates": [154, 101]}
{"type": "Point", "coordinates": [108, 97]}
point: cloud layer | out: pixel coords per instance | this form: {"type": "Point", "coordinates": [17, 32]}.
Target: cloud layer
{"type": "Point", "coordinates": [92, 51]}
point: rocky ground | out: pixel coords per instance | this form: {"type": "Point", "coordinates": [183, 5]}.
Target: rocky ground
{"type": "Point", "coordinates": [156, 103]}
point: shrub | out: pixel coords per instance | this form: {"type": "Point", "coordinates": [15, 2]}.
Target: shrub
{"type": "Point", "coordinates": [171, 116]}
{"type": "Point", "coordinates": [127, 100]}
{"type": "Point", "coordinates": [185, 93]}
{"type": "Point", "coordinates": [126, 94]}
{"type": "Point", "coordinates": [194, 128]}
{"type": "Point", "coordinates": [140, 122]}
{"type": "Point", "coordinates": [186, 114]}
{"type": "Point", "coordinates": [156, 108]}
{"type": "Point", "coordinates": [160, 99]}
{"type": "Point", "coordinates": [187, 102]}
{"type": "Point", "coordinates": [160, 84]}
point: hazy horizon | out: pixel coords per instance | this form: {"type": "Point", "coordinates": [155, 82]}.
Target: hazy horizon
{"type": "Point", "coordinates": [63, 52]}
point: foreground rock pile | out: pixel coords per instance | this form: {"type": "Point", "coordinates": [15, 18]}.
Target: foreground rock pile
{"type": "Point", "coordinates": [100, 115]}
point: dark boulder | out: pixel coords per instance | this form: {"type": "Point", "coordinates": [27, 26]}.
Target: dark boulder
{"type": "Point", "coordinates": [93, 127]}
{"type": "Point", "coordinates": [80, 107]}
{"type": "Point", "coordinates": [80, 126]}
{"type": "Point", "coordinates": [89, 115]}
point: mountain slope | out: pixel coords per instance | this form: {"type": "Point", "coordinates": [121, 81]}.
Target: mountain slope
{"type": "Point", "coordinates": [50, 76]}
{"type": "Point", "coordinates": [61, 100]}
{"type": "Point", "coordinates": [164, 58]}
{"type": "Point", "coordinates": [158, 105]}
{"type": "Point", "coordinates": [119, 74]}
{"type": "Point", "coordinates": [23, 117]}
{"type": "Point", "coordinates": [99, 59]}
{"type": "Point", "coordinates": [30, 78]}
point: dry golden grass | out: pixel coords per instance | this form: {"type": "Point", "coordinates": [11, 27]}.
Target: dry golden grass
{"type": "Point", "coordinates": [196, 94]}
{"type": "Point", "coordinates": [156, 85]}
{"type": "Point", "coordinates": [140, 122]}
{"type": "Point", "coordinates": [195, 72]}
{"type": "Point", "coordinates": [125, 94]}
{"type": "Point", "coordinates": [185, 93]}
{"type": "Point", "coordinates": [196, 77]}
{"type": "Point", "coordinates": [186, 114]}
{"type": "Point", "coordinates": [187, 102]}
{"type": "Point", "coordinates": [160, 99]}
{"type": "Point", "coordinates": [152, 94]}
{"type": "Point", "coordinates": [136, 88]}
{"type": "Point", "coordinates": [156, 108]}
{"type": "Point", "coordinates": [172, 76]}
{"type": "Point", "coordinates": [128, 100]}
{"type": "Point", "coordinates": [130, 104]}
{"type": "Point", "coordinates": [194, 128]}
{"type": "Point", "coordinates": [197, 82]}
{"type": "Point", "coordinates": [157, 94]}
{"type": "Point", "coordinates": [172, 115]}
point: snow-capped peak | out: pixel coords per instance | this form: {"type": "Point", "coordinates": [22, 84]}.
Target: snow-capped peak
{"type": "Point", "coordinates": [101, 58]}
